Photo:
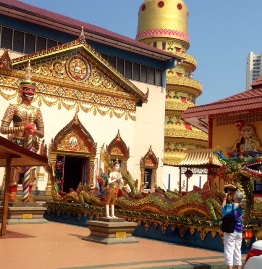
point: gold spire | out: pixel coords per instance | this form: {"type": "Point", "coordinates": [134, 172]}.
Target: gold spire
{"type": "Point", "coordinates": [163, 19]}
{"type": "Point", "coordinates": [82, 37]}
{"type": "Point", "coordinates": [28, 76]}
{"type": "Point", "coordinates": [28, 69]}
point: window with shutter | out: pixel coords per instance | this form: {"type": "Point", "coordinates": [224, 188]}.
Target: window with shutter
{"type": "Point", "coordinates": [120, 66]}
{"type": "Point", "coordinates": [143, 77]}
{"type": "Point", "coordinates": [150, 75]}
{"type": "Point", "coordinates": [40, 43]}
{"type": "Point", "coordinates": [128, 70]}
{"type": "Point", "coordinates": [112, 61]}
{"type": "Point", "coordinates": [136, 71]}
{"type": "Point", "coordinates": [6, 38]}
{"type": "Point", "coordinates": [158, 77]}
{"type": "Point", "coordinates": [51, 43]}
{"type": "Point", "coordinates": [29, 43]}
{"type": "Point", "coordinates": [19, 41]}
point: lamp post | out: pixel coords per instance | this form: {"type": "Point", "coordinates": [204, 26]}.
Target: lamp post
{"type": "Point", "coordinates": [188, 175]}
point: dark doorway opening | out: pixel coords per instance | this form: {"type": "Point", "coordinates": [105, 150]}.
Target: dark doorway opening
{"type": "Point", "coordinates": [75, 169]}
{"type": "Point", "coordinates": [148, 178]}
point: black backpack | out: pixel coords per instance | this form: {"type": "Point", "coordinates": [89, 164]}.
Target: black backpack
{"type": "Point", "coordinates": [229, 222]}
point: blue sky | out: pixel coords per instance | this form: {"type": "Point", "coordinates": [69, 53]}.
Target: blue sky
{"type": "Point", "coordinates": [222, 34]}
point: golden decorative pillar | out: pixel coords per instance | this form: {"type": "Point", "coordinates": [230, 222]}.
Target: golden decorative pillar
{"type": "Point", "coordinates": [92, 181]}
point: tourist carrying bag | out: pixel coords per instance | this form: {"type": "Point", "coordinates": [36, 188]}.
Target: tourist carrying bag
{"type": "Point", "coordinates": [229, 222]}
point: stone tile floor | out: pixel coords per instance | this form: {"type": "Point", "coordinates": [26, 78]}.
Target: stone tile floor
{"type": "Point", "coordinates": [53, 245]}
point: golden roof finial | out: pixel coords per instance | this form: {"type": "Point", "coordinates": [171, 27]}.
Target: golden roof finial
{"type": "Point", "coordinates": [5, 61]}
{"type": "Point", "coordinates": [82, 37]}
{"type": "Point", "coordinates": [76, 120]}
{"type": "Point", "coordinates": [28, 76]}
{"type": "Point", "coordinates": [28, 69]}
{"type": "Point", "coordinates": [118, 136]}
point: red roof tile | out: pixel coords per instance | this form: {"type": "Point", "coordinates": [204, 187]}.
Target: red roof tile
{"type": "Point", "coordinates": [247, 101]}
{"type": "Point", "coordinates": [89, 28]}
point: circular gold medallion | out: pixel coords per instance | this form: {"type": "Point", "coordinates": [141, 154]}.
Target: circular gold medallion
{"type": "Point", "coordinates": [77, 68]}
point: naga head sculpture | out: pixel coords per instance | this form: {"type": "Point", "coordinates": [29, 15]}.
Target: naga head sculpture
{"type": "Point", "coordinates": [248, 165]}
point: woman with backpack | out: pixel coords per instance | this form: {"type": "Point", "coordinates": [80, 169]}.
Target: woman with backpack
{"type": "Point", "coordinates": [233, 241]}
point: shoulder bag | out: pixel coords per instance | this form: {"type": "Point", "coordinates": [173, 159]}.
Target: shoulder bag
{"type": "Point", "coordinates": [229, 222]}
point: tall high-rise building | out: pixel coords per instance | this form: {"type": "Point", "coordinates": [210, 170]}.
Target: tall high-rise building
{"type": "Point", "coordinates": [253, 69]}
{"type": "Point", "coordinates": [164, 25]}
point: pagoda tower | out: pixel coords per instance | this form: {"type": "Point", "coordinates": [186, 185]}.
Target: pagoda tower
{"type": "Point", "coordinates": [164, 25]}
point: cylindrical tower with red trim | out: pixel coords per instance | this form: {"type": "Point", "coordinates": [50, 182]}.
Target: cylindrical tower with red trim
{"type": "Point", "coordinates": [164, 25]}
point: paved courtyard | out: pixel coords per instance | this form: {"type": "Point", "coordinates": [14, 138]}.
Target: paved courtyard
{"type": "Point", "coordinates": [54, 245]}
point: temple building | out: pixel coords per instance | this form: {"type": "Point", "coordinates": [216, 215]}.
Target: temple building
{"type": "Point", "coordinates": [101, 91]}
{"type": "Point", "coordinates": [95, 90]}
{"type": "Point", "coordinates": [234, 125]}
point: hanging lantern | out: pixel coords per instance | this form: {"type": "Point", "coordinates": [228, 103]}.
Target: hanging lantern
{"type": "Point", "coordinates": [248, 234]}
{"type": "Point", "coordinates": [188, 175]}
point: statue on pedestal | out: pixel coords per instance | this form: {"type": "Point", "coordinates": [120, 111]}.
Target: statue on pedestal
{"type": "Point", "coordinates": [27, 128]}
{"type": "Point", "coordinates": [115, 183]}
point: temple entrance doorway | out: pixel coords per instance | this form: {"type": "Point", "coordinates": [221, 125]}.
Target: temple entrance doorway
{"type": "Point", "coordinates": [75, 171]}
{"type": "Point", "coordinates": [73, 156]}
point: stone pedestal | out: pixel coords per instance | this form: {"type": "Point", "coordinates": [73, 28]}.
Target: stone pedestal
{"type": "Point", "coordinates": [19, 212]}
{"type": "Point", "coordinates": [111, 231]}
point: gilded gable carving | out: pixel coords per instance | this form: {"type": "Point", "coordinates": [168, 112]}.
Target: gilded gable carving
{"type": "Point", "coordinates": [74, 137]}
{"type": "Point", "coordinates": [149, 160]}
{"type": "Point", "coordinates": [72, 98]}
{"type": "Point", "coordinates": [75, 76]}
{"type": "Point", "coordinates": [118, 147]}
{"type": "Point", "coordinates": [72, 142]}
{"type": "Point", "coordinates": [75, 68]}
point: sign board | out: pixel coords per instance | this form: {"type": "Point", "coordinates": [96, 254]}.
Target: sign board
{"type": "Point", "coordinates": [27, 216]}
{"type": "Point", "coordinates": [121, 235]}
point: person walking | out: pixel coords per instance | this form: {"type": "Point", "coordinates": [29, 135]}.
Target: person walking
{"type": "Point", "coordinates": [233, 241]}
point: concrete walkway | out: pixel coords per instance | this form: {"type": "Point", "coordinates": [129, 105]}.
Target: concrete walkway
{"type": "Point", "coordinates": [54, 245]}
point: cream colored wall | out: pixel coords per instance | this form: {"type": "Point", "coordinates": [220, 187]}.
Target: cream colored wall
{"type": "Point", "coordinates": [139, 135]}
{"type": "Point", "coordinates": [149, 129]}
{"type": "Point", "coordinates": [103, 129]}
{"type": "Point", "coordinates": [171, 174]}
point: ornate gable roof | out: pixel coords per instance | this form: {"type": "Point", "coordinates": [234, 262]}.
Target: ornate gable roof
{"type": "Point", "coordinates": [149, 160]}
{"type": "Point", "coordinates": [118, 147]}
{"type": "Point", "coordinates": [78, 62]}
{"type": "Point", "coordinates": [74, 138]}
{"type": "Point", "coordinates": [74, 75]}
